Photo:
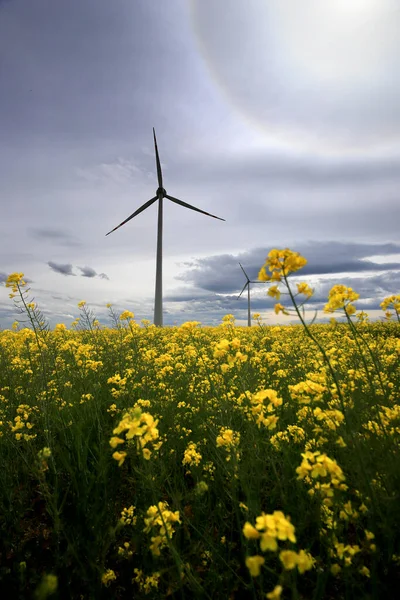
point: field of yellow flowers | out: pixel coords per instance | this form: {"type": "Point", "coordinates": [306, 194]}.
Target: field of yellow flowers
{"type": "Point", "coordinates": [197, 462]}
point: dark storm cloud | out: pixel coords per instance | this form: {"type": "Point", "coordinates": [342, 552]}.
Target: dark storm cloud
{"type": "Point", "coordinates": [346, 257]}
{"type": "Point", "coordinates": [3, 278]}
{"type": "Point", "coordinates": [62, 269]}
{"type": "Point", "coordinates": [87, 271]}
{"type": "Point", "coordinates": [222, 274]}
{"type": "Point", "coordinates": [57, 236]}
{"type": "Point", "coordinates": [90, 272]}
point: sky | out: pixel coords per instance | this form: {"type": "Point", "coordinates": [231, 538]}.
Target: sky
{"type": "Point", "coordinates": [283, 118]}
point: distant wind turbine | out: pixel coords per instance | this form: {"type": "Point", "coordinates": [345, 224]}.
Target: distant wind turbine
{"type": "Point", "coordinates": [247, 284]}
{"type": "Point", "coordinates": [160, 194]}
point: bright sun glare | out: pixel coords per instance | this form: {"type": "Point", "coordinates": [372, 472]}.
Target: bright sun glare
{"type": "Point", "coordinates": [321, 72]}
{"type": "Point", "coordinates": [345, 41]}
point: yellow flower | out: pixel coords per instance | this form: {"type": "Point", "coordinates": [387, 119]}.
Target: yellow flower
{"type": "Point", "coordinates": [283, 262]}
{"type": "Point", "coordinates": [114, 441]}
{"type": "Point", "coordinates": [250, 532]}
{"type": "Point", "coordinates": [278, 308]}
{"type": "Point", "coordinates": [108, 577]}
{"type": "Point", "coordinates": [254, 563]}
{"type": "Point", "coordinates": [276, 593]}
{"type": "Point", "coordinates": [191, 455]}
{"type": "Point", "coordinates": [262, 275]}
{"type": "Point", "coordinates": [288, 559]}
{"type": "Point", "coordinates": [146, 453]}
{"type": "Point", "coordinates": [274, 292]}
{"type": "Point", "coordinates": [127, 516]}
{"type": "Point", "coordinates": [120, 457]}
{"type": "Point", "coordinates": [339, 297]}
{"type": "Point", "coordinates": [305, 561]}
{"type": "Point", "coordinates": [304, 288]}
{"type": "Point", "coordinates": [15, 280]}
{"type": "Point", "coordinates": [126, 315]}
{"type": "Point", "coordinates": [81, 304]}
{"type": "Point", "coordinates": [268, 542]}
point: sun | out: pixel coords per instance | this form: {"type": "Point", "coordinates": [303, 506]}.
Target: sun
{"type": "Point", "coordinates": [308, 71]}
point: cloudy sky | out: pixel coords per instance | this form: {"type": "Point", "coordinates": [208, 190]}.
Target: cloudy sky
{"type": "Point", "coordinates": [281, 117]}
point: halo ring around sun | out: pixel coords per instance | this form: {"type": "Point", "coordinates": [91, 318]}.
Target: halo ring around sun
{"type": "Point", "coordinates": [316, 74]}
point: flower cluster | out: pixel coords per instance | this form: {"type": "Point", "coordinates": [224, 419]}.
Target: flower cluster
{"type": "Point", "coordinates": [191, 455]}
{"type": "Point", "coordinates": [108, 577]}
{"type": "Point", "coordinates": [140, 426]}
{"type": "Point", "coordinates": [316, 465]}
{"type": "Point", "coordinates": [270, 529]}
{"type": "Point", "coordinates": [162, 519]}
{"type": "Point", "coordinates": [127, 516]}
{"type": "Point", "coordinates": [230, 440]}
{"type": "Point", "coordinates": [341, 297]}
{"type": "Point", "coordinates": [230, 349]}
{"type": "Point", "coordinates": [15, 281]}
{"type": "Point", "coordinates": [306, 391]}
{"type": "Point", "coordinates": [281, 263]}
{"type": "Point", "coordinates": [395, 302]}
{"type": "Point", "coordinates": [264, 411]}
{"type": "Point", "coordinates": [293, 433]}
{"type": "Point", "coordinates": [127, 315]}
{"type": "Point", "coordinates": [22, 423]}
{"type": "Point", "coordinates": [146, 583]}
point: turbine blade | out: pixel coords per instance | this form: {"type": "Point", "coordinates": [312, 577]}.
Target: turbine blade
{"type": "Point", "coordinates": [244, 287]}
{"type": "Point", "coordinates": [245, 274]}
{"type": "Point", "coordinates": [159, 173]}
{"type": "Point", "coordinates": [186, 205]}
{"type": "Point", "coordinates": [139, 210]}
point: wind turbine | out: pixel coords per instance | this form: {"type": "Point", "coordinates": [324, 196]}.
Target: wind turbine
{"type": "Point", "coordinates": [247, 284]}
{"type": "Point", "coordinates": [160, 194]}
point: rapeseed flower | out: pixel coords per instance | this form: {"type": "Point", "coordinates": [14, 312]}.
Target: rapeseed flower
{"type": "Point", "coordinates": [127, 315]}
{"type": "Point", "coordinates": [283, 262]}
{"type": "Point", "coordinates": [191, 455]}
{"type": "Point", "coordinates": [276, 593]}
{"type": "Point", "coordinates": [108, 577]}
{"type": "Point", "coordinates": [304, 288]}
{"type": "Point", "coordinates": [341, 297]}
{"type": "Point", "coordinates": [288, 558]}
{"type": "Point", "coordinates": [254, 564]}
{"type": "Point", "coordinates": [164, 519]}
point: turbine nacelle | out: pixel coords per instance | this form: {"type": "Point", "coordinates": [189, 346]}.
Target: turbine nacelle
{"type": "Point", "coordinates": [161, 192]}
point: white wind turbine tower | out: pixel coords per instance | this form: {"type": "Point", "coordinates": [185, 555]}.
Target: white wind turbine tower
{"type": "Point", "coordinates": [160, 194]}
{"type": "Point", "coordinates": [247, 284]}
